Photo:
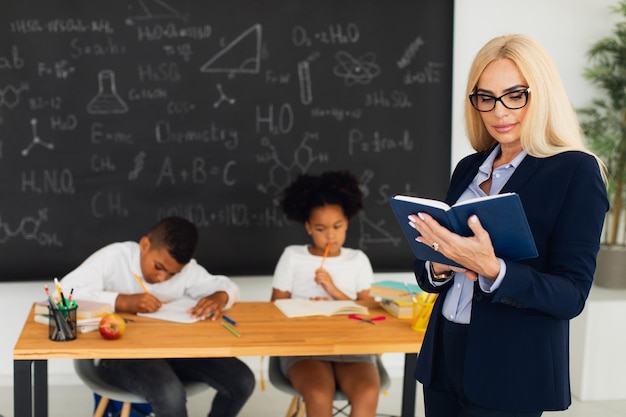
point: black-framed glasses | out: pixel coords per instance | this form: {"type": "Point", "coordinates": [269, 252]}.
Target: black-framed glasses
{"type": "Point", "coordinates": [512, 100]}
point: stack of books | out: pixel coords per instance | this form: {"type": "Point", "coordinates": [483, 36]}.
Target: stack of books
{"type": "Point", "coordinates": [399, 309]}
{"type": "Point", "coordinates": [396, 297]}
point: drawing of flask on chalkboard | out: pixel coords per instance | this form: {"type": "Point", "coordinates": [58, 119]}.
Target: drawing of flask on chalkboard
{"type": "Point", "coordinates": [107, 101]}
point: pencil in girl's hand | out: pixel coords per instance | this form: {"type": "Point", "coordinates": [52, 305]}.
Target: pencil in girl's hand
{"type": "Point", "coordinates": [140, 281]}
{"type": "Point", "coordinates": [325, 255]}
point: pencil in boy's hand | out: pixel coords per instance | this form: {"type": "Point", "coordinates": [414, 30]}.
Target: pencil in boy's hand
{"type": "Point", "coordinates": [325, 255]}
{"type": "Point", "coordinates": [140, 281]}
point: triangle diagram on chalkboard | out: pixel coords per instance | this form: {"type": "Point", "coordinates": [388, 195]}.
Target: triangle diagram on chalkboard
{"type": "Point", "coordinates": [156, 9]}
{"type": "Point", "coordinates": [371, 232]}
{"type": "Point", "coordinates": [242, 55]}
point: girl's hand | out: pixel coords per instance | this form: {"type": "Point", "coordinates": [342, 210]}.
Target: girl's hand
{"type": "Point", "coordinates": [323, 278]}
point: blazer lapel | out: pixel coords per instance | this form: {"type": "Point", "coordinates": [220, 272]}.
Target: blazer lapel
{"type": "Point", "coordinates": [466, 176]}
{"type": "Point", "coordinates": [522, 174]}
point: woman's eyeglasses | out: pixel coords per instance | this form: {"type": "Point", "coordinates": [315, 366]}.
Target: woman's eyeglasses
{"type": "Point", "coordinates": [513, 100]}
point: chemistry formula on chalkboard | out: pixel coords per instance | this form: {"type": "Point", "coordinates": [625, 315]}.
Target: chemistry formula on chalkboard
{"type": "Point", "coordinates": [116, 114]}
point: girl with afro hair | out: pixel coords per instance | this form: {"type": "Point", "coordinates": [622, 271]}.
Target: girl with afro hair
{"type": "Point", "coordinates": [325, 204]}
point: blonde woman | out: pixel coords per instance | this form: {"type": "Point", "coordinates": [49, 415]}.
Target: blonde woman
{"type": "Point", "coordinates": [497, 344]}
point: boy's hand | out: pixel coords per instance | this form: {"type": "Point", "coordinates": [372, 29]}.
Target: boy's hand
{"type": "Point", "coordinates": [137, 303]}
{"type": "Point", "coordinates": [210, 306]}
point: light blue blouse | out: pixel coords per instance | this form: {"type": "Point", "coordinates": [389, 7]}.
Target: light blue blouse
{"type": "Point", "coordinates": [457, 306]}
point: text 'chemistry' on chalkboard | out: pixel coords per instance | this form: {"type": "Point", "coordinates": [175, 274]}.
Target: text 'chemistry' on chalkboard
{"type": "Point", "coordinates": [114, 114]}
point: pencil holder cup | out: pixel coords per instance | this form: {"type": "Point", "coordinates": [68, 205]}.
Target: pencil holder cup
{"type": "Point", "coordinates": [62, 323]}
{"type": "Point", "coordinates": [421, 315]}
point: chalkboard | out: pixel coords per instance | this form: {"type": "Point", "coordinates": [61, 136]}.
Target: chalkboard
{"type": "Point", "coordinates": [114, 114]}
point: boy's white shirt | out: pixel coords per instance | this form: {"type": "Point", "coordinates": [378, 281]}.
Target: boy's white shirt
{"type": "Point", "coordinates": [109, 272]}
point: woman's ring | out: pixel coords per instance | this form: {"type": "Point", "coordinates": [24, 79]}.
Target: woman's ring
{"type": "Point", "coordinates": [435, 246]}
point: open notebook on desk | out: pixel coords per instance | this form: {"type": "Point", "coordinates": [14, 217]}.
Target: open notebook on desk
{"type": "Point", "coordinates": [299, 307]}
{"type": "Point", "coordinates": [175, 311]}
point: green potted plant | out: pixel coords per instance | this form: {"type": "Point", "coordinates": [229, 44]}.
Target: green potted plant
{"type": "Point", "coordinates": [604, 126]}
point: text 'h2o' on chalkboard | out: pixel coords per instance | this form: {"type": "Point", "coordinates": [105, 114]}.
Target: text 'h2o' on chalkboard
{"type": "Point", "coordinates": [114, 114]}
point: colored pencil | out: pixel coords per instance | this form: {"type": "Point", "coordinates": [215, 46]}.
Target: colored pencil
{"type": "Point", "coordinates": [325, 255]}
{"type": "Point", "coordinates": [230, 329]}
{"type": "Point", "coordinates": [140, 281]}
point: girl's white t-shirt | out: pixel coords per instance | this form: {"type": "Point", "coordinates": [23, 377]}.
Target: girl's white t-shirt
{"type": "Point", "coordinates": [351, 272]}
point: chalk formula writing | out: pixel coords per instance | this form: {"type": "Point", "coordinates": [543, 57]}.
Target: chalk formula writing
{"type": "Point", "coordinates": [116, 114]}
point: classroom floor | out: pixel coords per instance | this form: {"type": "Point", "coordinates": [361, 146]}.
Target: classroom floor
{"type": "Point", "coordinates": [273, 403]}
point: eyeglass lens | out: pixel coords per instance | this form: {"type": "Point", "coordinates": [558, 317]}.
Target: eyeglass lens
{"type": "Point", "coordinates": [513, 100]}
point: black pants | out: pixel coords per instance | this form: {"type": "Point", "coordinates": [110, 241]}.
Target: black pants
{"type": "Point", "coordinates": [445, 396]}
{"type": "Point", "coordinates": [159, 381]}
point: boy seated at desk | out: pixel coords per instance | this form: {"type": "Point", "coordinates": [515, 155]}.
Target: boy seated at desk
{"type": "Point", "coordinates": [163, 259]}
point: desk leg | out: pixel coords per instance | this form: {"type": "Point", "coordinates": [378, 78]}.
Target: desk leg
{"type": "Point", "coordinates": [40, 383]}
{"type": "Point", "coordinates": [22, 389]}
{"type": "Point", "coordinates": [409, 385]}
{"type": "Point", "coordinates": [30, 388]}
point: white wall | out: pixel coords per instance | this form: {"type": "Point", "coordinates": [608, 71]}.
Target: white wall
{"type": "Point", "coordinates": [565, 27]}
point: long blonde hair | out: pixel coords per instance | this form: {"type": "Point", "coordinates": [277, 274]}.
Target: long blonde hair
{"type": "Point", "coordinates": [550, 125]}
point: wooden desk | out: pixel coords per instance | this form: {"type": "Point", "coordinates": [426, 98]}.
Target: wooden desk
{"type": "Point", "coordinates": [264, 331]}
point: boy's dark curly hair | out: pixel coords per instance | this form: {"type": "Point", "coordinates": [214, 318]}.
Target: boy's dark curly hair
{"type": "Point", "coordinates": [308, 192]}
{"type": "Point", "coordinates": [179, 236]}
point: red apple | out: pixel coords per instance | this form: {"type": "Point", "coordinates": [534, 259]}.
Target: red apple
{"type": "Point", "coordinates": [112, 326]}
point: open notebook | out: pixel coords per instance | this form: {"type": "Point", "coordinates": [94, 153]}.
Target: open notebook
{"type": "Point", "coordinates": [297, 307]}
{"type": "Point", "coordinates": [175, 311]}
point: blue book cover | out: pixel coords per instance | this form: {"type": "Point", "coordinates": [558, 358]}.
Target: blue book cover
{"type": "Point", "coordinates": [502, 215]}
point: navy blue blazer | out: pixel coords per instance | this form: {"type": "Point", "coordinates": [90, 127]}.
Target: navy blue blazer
{"type": "Point", "coordinates": [517, 355]}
